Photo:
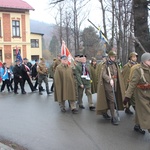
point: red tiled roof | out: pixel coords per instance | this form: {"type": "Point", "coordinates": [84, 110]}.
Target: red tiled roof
{"type": "Point", "coordinates": [16, 4]}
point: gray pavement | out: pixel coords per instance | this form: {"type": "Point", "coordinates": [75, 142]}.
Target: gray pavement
{"type": "Point", "coordinates": [35, 122]}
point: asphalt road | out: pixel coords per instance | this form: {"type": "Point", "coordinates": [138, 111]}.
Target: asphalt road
{"type": "Point", "coordinates": [36, 122]}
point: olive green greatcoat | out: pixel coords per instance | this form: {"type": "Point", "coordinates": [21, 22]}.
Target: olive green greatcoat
{"type": "Point", "coordinates": [132, 70]}
{"type": "Point", "coordinates": [142, 97]}
{"type": "Point", "coordinates": [80, 81]}
{"type": "Point", "coordinates": [56, 63]}
{"type": "Point", "coordinates": [99, 65]}
{"type": "Point", "coordinates": [126, 72]}
{"type": "Point", "coordinates": [51, 70]}
{"type": "Point", "coordinates": [93, 76]}
{"type": "Point", "coordinates": [102, 105]}
{"type": "Point", "coordinates": [64, 83]}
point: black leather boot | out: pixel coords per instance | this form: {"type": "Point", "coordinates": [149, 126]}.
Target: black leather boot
{"type": "Point", "coordinates": [40, 91]}
{"type": "Point", "coordinates": [128, 111]}
{"type": "Point", "coordinates": [137, 128]}
{"type": "Point", "coordinates": [106, 116]}
{"type": "Point", "coordinates": [92, 108]}
{"type": "Point", "coordinates": [49, 93]}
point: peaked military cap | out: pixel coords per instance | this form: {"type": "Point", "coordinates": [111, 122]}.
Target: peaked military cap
{"type": "Point", "coordinates": [112, 53]}
{"type": "Point", "coordinates": [93, 59]}
{"type": "Point", "coordinates": [133, 54]}
{"type": "Point", "coordinates": [82, 55]}
{"type": "Point", "coordinates": [77, 55]}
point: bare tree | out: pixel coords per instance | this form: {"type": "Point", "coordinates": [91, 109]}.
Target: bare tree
{"type": "Point", "coordinates": [71, 17]}
{"type": "Point", "coordinates": [55, 1]}
{"type": "Point", "coordinates": [67, 27]}
{"type": "Point", "coordinates": [80, 13]}
{"type": "Point", "coordinates": [113, 20]}
{"type": "Point", "coordinates": [59, 22]}
{"type": "Point", "coordinates": [120, 19]}
{"type": "Point", "coordinates": [118, 24]}
{"type": "Point", "coordinates": [104, 18]}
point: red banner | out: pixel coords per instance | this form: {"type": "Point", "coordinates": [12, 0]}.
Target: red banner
{"type": "Point", "coordinates": [65, 51]}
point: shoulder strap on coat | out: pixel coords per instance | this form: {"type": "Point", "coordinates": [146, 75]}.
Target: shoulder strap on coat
{"type": "Point", "coordinates": [142, 75]}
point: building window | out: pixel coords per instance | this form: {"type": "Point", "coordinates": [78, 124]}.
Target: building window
{"type": "Point", "coordinates": [0, 29]}
{"type": "Point", "coordinates": [1, 58]}
{"type": "Point", "coordinates": [14, 54]}
{"type": "Point", "coordinates": [34, 43]}
{"type": "Point", "coordinates": [16, 28]}
{"type": "Point", "coordinates": [34, 57]}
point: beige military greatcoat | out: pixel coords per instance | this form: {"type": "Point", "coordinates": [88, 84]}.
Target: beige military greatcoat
{"type": "Point", "coordinates": [65, 87]}
{"type": "Point", "coordinates": [142, 96]}
{"type": "Point", "coordinates": [102, 103]}
{"type": "Point", "coordinates": [93, 76]}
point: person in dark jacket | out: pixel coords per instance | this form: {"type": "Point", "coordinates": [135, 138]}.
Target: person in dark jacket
{"type": "Point", "coordinates": [29, 64]}
{"type": "Point", "coordinates": [35, 75]}
{"type": "Point", "coordinates": [18, 78]}
{"type": "Point", "coordinates": [26, 74]}
{"type": "Point", "coordinates": [51, 75]}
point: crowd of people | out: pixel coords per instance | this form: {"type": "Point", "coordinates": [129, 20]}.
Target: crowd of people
{"type": "Point", "coordinates": [21, 72]}
{"type": "Point", "coordinates": [116, 88]}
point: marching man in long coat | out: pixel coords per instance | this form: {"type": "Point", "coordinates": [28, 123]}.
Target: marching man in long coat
{"type": "Point", "coordinates": [110, 89]}
{"type": "Point", "coordinates": [126, 72]}
{"type": "Point", "coordinates": [140, 85]}
{"type": "Point", "coordinates": [93, 75]}
{"type": "Point", "coordinates": [65, 85]}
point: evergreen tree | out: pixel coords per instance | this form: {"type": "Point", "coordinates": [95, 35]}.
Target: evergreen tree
{"type": "Point", "coordinates": [91, 42]}
{"type": "Point", "coordinates": [54, 45]}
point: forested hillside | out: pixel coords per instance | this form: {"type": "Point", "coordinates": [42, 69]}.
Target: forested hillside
{"type": "Point", "coordinates": [47, 29]}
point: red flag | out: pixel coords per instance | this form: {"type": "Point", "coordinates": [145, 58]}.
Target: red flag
{"type": "Point", "coordinates": [17, 50]}
{"type": "Point", "coordinates": [65, 51]}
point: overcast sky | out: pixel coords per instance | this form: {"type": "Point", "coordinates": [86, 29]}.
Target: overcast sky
{"type": "Point", "coordinates": [42, 13]}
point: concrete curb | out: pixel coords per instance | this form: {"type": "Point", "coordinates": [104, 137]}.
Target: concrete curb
{"type": "Point", "coordinates": [5, 147]}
